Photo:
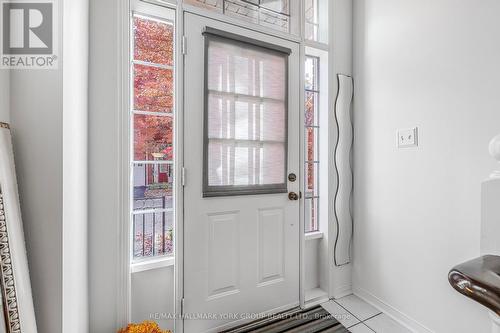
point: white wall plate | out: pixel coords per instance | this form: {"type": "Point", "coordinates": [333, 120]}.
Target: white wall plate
{"type": "Point", "coordinates": [408, 137]}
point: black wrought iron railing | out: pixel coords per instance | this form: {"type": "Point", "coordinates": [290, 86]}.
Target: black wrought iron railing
{"type": "Point", "coordinates": [153, 227]}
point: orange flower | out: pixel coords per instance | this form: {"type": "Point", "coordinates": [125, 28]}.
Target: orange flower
{"type": "Point", "coordinates": [144, 327]}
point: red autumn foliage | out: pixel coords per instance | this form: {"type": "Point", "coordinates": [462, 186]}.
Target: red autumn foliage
{"type": "Point", "coordinates": [152, 134]}
{"type": "Point", "coordinates": [153, 89]}
{"type": "Point", "coordinates": [153, 41]}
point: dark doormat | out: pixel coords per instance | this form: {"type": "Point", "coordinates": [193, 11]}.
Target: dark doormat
{"type": "Point", "coordinates": [312, 320]}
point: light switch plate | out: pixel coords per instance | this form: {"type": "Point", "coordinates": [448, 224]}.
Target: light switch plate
{"type": "Point", "coordinates": [408, 137]}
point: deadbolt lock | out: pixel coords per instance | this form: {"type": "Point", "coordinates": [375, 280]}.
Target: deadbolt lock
{"type": "Point", "coordinates": [292, 177]}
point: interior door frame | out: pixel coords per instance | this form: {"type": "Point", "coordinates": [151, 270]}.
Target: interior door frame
{"type": "Point", "coordinates": [340, 40]}
{"type": "Point", "coordinates": [185, 9]}
{"type": "Point", "coordinates": [123, 50]}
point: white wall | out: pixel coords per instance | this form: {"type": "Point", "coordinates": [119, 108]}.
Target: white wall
{"type": "Point", "coordinates": [340, 62]}
{"type": "Point", "coordinates": [104, 165]}
{"type": "Point", "coordinates": [48, 112]}
{"type": "Point", "coordinates": [432, 64]}
{"type": "Point", "coordinates": [312, 263]}
{"type": "Point", "coordinates": [36, 123]}
{"type": "Point", "coordinates": [4, 95]}
{"type": "Point", "coordinates": [152, 296]}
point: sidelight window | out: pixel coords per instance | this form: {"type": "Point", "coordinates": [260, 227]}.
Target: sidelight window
{"type": "Point", "coordinates": [312, 98]}
{"type": "Point", "coordinates": [316, 20]}
{"type": "Point", "coordinates": [152, 119]}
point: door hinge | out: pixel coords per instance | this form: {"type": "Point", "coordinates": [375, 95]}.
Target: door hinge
{"type": "Point", "coordinates": [182, 307]}
{"type": "Point", "coordinates": [183, 176]}
{"type": "Point", "coordinates": [184, 45]}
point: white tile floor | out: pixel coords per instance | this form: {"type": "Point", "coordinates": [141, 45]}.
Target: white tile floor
{"type": "Point", "coordinates": [360, 317]}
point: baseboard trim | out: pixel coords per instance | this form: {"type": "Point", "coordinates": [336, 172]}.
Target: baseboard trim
{"type": "Point", "coordinates": [391, 311]}
{"type": "Point", "coordinates": [342, 291]}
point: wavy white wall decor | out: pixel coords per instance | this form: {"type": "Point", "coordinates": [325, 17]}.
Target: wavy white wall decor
{"type": "Point", "coordinates": [343, 149]}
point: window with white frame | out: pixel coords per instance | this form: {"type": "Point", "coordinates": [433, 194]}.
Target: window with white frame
{"type": "Point", "coordinates": [274, 14]}
{"type": "Point", "coordinates": [152, 121]}
{"type": "Point", "coordinates": [311, 125]}
{"type": "Point", "coordinates": [316, 20]}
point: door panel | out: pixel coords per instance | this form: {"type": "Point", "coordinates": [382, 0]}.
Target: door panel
{"type": "Point", "coordinates": [241, 253]}
{"type": "Point", "coordinates": [271, 246]}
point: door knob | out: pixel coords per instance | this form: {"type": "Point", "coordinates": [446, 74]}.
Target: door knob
{"type": "Point", "coordinates": [293, 196]}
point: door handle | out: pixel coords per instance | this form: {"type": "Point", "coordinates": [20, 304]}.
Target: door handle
{"type": "Point", "coordinates": [293, 196]}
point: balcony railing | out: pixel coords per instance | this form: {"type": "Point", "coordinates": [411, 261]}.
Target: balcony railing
{"type": "Point", "coordinates": [153, 227]}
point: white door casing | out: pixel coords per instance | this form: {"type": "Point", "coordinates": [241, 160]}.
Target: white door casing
{"type": "Point", "coordinates": [241, 253]}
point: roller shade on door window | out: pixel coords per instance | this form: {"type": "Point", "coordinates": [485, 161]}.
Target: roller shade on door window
{"type": "Point", "coordinates": [246, 111]}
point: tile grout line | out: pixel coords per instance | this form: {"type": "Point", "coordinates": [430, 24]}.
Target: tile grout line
{"type": "Point", "coordinates": [371, 329]}
{"type": "Point", "coordinates": [364, 322]}
{"type": "Point", "coordinates": [378, 314]}
{"type": "Point", "coordinates": [361, 321]}
{"type": "Point", "coordinates": [352, 314]}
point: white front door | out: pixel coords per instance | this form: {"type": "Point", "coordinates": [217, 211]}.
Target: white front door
{"type": "Point", "coordinates": [241, 143]}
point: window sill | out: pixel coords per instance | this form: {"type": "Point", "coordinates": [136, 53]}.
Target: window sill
{"type": "Point", "coordinates": [314, 235]}
{"type": "Point", "coordinates": [155, 263]}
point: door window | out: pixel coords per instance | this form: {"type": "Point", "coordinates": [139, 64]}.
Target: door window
{"type": "Point", "coordinates": [245, 116]}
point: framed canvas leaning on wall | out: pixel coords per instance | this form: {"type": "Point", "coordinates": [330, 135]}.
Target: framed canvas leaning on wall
{"type": "Point", "coordinates": [17, 315]}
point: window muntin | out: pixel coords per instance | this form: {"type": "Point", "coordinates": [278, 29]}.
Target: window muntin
{"type": "Point", "coordinates": [152, 121]}
{"type": "Point", "coordinates": [316, 20]}
{"type": "Point", "coordinates": [245, 118]}
{"type": "Point", "coordinates": [274, 14]}
{"type": "Point", "coordinates": [311, 128]}
{"type": "Point", "coordinates": [311, 19]}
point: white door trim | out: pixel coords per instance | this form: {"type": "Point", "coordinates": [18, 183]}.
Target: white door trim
{"type": "Point", "coordinates": [124, 224]}
{"type": "Point", "coordinates": [124, 238]}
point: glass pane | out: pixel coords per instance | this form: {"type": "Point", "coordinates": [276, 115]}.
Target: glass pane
{"type": "Point", "coordinates": [311, 117]}
{"type": "Point", "coordinates": [311, 13]}
{"type": "Point", "coordinates": [245, 163]}
{"type": "Point", "coordinates": [242, 10]}
{"type": "Point", "coordinates": [245, 118]}
{"type": "Point", "coordinates": [269, 13]}
{"type": "Point", "coordinates": [274, 14]}
{"type": "Point", "coordinates": [275, 20]}
{"type": "Point", "coordinates": [207, 4]}
{"type": "Point", "coordinates": [153, 234]}
{"type": "Point", "coordinates": [312, 71]}
{"type": "Point", "coordinates": [311, 19]}
{"type": "Point", "coordinates": [246, 71]}
{"type": "Point", "coordinates": [154, 41]}
{"type": "Point", "coordinates": [312, 144]}
{"type": "Point", "coordinates": [311, 218]}
{"type": "Point", "coordinates": [312, 180]}
{"type": "Point", "coordinates": [153, 89]}
{"type": "Point", "coordinates": [153, 186]}
{"type": "Point", "coordinates": [279, 6]}
{"type": "Point", "coordinates": [311, 31]}
{"type": "Point", "coordinates": [316, 20]}
{"type": "Point", "coordinates": [246, 115]}
{"type": "Point", "coordinates": [153, 138]}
